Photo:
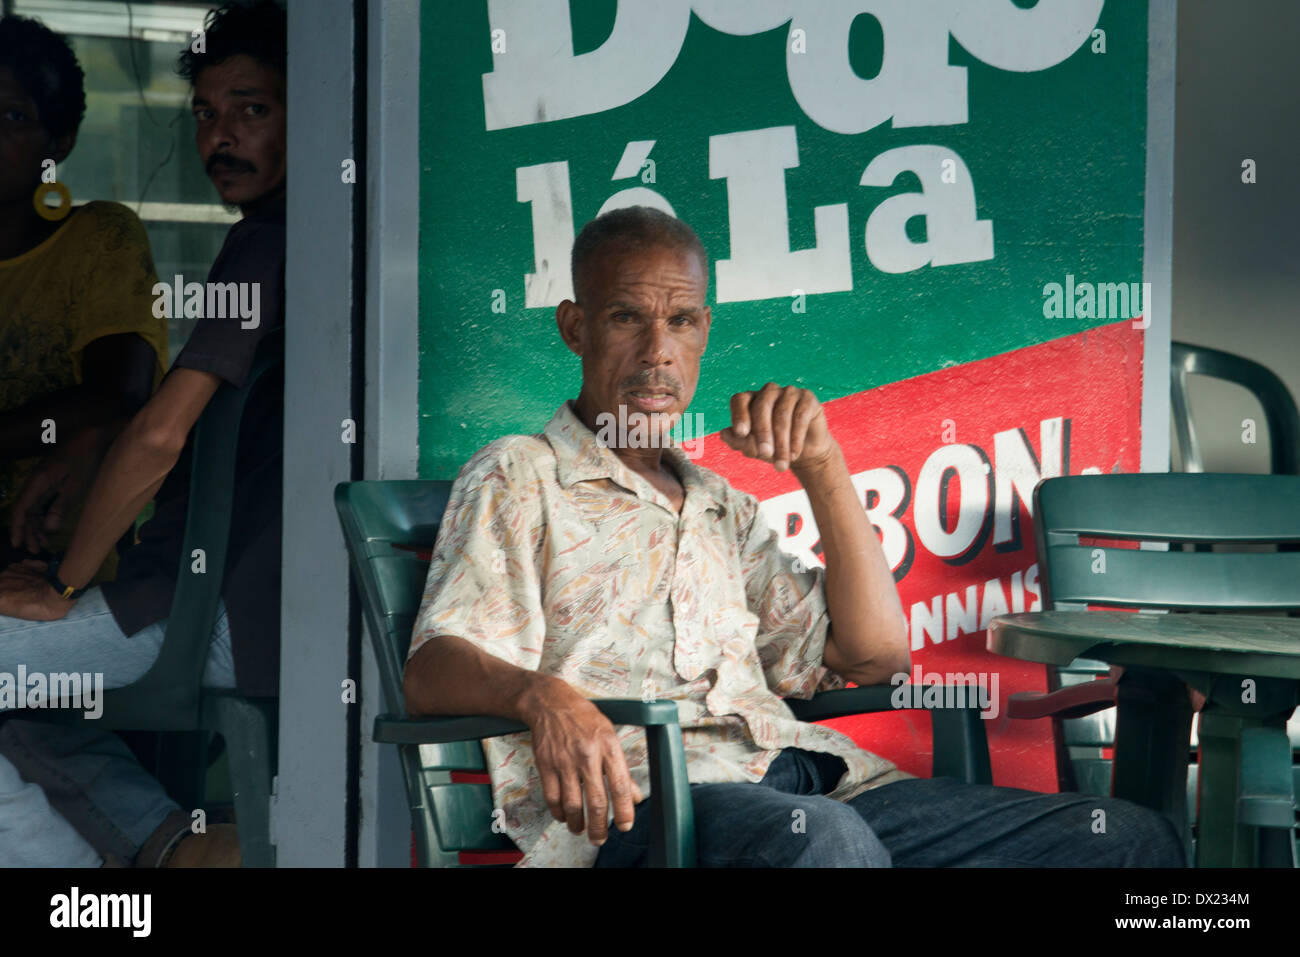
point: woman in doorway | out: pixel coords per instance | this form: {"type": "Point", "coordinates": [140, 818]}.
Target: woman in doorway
{"type": "Point", "coordinates": [81, 348]}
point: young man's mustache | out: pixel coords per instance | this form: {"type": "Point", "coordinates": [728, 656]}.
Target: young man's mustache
{"type": "Point", "coordinates": [229, 162]}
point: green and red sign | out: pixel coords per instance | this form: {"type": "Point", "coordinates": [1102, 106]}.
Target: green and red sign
{"type": "Point", "coordinates": [922, 210]}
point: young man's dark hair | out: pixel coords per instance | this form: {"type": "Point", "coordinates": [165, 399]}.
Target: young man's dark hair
{"type": "Point", "coordinates": [47, 70]}
{"type": "Point", "coordinates": [258, 29]}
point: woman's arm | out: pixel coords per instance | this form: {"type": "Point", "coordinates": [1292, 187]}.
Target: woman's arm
{"type": "Point", "coordinates": [117, 379]}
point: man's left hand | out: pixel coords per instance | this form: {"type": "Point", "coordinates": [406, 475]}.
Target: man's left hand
{"type": "Point", "coordinates": [24, 593]}
{"type": "Point", "coordinates": [784, 426]}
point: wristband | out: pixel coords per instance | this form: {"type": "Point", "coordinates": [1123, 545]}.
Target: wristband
{"type": "Point", "coordinates": [65, 591]}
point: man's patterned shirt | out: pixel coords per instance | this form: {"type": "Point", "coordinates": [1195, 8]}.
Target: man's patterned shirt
{"type": "Point", "coordinates": [556, 557]}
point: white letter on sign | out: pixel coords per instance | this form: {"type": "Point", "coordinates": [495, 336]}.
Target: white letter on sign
{"type": "Point", "coordinates": [890, 486]}
{"type": "Point", "coordinates": [761, 264]}
{"type": "Point", "coordinates": [546, 187]}
{"type": "Point", "coordinates": [1016, 472]}
{"type": "Point", "coordinates": [540, 79]}
{"type": "Point", "coordinates": [953, 234]}
{"type": "Point", "coordinates": [932, 506]}
{"type": "Point", "coordinates": [915, 86]}
{"type": "Point", "coordinates": [743, 19]}
{"type": "Point", "coordinates": [1014, 38]}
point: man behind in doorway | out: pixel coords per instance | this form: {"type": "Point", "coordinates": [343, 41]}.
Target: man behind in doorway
{"type": "Point", "coordinates": [47, 625]}
{"type": "Point", "coordinates": [570, 567]}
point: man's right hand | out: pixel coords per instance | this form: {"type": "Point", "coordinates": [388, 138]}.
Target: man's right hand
{"type": "Point", "coordinates": [581, 762]}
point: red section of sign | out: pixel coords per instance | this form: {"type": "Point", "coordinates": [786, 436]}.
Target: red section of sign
{"type": "Point", "coordinates": [1088, 387]}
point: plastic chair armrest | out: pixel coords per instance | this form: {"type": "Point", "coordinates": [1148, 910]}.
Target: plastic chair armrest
{"type": "Point", "coordinates": [845, 701]}
{"type": "Point", "coordinates": [672, 829]}
{"type": "Point", "coordinates": [392, 729]}
{"type": "Point", "coordinates": [1075, 701]}
{"type": "Point", "coordinates": [446, 729]}
{"type": "Point", "coordinates": [961, 748]}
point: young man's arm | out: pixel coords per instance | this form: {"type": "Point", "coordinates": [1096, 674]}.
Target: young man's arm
{"type": "Point", "coordinates": [133, 470]}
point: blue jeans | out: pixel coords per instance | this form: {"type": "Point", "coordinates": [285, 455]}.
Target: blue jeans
{"type": "Point", "coordinates": [70, 796]}
{"type": "Point", "coordinates": [786, 821]}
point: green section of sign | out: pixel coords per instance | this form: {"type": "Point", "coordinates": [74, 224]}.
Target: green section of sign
{"type": "Point", "coordinates": [1057, 160]}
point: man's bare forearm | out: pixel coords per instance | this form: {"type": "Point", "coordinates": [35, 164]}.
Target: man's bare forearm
{"type": "Point", "coordinates": [134, 469]}
{"type": "Point", "coordinates": [132, 472]}
{"type": "Point", "coordinates": [450, 675]}
{"type": "Point", "coordinates": [575, 747]}
{"type": "Point", "coordinates": [868, 639]}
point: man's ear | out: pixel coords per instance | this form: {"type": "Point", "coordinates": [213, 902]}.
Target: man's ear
{"type": "Point", "coordinates": [708, 323]}
{"type": "Point", "coordinates": [571, 321]}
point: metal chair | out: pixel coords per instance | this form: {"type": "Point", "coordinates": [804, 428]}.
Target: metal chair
{"type": "Point", "coordinates": [1279, 407]}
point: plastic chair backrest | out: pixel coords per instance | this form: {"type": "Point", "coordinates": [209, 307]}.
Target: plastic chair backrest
{"type": "Point", "coordinates": [390, 528]}
{"type": "Point", "coordinates": [388, 525]}
{"type": "Point", "coordinates": [1175, 508]}
{"type": "Point", "coordinates": [169, 695]}
{"type": "Point", "coordinates": [1279, 406]}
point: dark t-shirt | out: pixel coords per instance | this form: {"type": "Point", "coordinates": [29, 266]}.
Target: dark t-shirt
{"type": "Point", "coordinates": [146, 574]}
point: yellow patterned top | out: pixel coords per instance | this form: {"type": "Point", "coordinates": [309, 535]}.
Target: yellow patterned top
{"type": "Point", "coordinates": [93, 277]}
{"type": "Point", "coordinates": [556, 557]}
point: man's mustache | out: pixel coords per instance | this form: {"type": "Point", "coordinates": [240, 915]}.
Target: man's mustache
{"type": "Point", "coordinates": [653, 380]}
{"type": "Point", "coordinates": [229, 162]}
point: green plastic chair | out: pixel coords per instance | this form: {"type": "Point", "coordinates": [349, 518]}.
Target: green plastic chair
{"type": "Point", "coordinates": [1081, 735]}
{"type": "Point", "coordinates": [170, 696]}
{"type": "Point", "coordinates": [390, 528]}
{"type": "Point", "coordinates": [1283, 420]}
{"type": "Point", "coordinates": [1177, 508]}
{"type": "Point", "coordinates": [1279, 407]}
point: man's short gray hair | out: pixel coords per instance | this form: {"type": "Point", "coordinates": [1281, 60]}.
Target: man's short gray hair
{"type": "Point", "coordinates": [635, 227]}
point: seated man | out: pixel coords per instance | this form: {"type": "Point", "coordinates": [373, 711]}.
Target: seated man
{"type": "Point", "coordinates": [570, 567]}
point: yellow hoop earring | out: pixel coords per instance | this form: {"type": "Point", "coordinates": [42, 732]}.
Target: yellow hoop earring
{"type": "Point", "coordinates": [52, 213]}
